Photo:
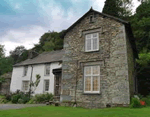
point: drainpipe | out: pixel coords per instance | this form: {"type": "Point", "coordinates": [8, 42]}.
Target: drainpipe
{"type": "Point", "coordinates": [30, 81]}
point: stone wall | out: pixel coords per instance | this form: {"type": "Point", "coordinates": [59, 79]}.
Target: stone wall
{"type": "Point", "coordinates": [112, 58]}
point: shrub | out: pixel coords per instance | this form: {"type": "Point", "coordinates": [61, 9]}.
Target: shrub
{"type": "Point", "coordinates": [20, 97]}
{"type": "Point", "coordinates": [32, 101]}
{"type": "Point", "coordinates": [41, 98]}
{"type": "Point", "coordinates": [3, 99]}
{"type": "Point", "coordinates": [8, 97]}
{"type": "Point", "coordinates": [147, 101]}
{"type": "Point", "coordinates": [135, 103]}
{"type": "Point", "coordinates": [20, 101]}
{"type": "Point", "coordinates": [15, 98]}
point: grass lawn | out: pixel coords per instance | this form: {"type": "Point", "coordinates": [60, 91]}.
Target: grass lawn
{"type": "Point", "coordinates": [51, 111]}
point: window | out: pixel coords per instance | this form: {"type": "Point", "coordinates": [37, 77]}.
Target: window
{"type": "Point", "coordinates": [46, 85]}
{"type": "Point", "coordinates": [25, 70]}
{"type": "Point", "coordinates": [92, 79]}
{"type": "Point", "coordinates": [92, 42]}
{"type": "Point", "coordinates": [25, 86]}
{"type": "Point", "coordinates": [91, 18]}
{"type": "Point", "coordinates": [47, 69]}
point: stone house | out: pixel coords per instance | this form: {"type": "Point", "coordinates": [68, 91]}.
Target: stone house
{"type": "Point", "coordinates": [98, 66]}
{"type": "Point", "coordinates": [95, 69]}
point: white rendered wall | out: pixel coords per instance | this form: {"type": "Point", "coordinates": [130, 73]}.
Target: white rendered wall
{"type": "Point", "coordinates": [17, 77]}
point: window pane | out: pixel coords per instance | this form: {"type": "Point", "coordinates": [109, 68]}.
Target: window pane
{"type": "Point", "coordinates": [95, 35]}
{"type": "Point", "coordinates": [46, 85]}
{"type": "Point", "coordinates": [87, 70]}
{"type": "Point", "coordinates": [95, 83]}
{"type": "Point", "coordinates": [47, 67]}
{"type": "Point", "coordinates": [96, 70]}
{"type": "Point", "coordinates": [25, 70]}
{"type": "Point", "coordinates": [25, 85]}
{"type": "Point", "coordinates": [95, 45]}
{"type": "Point", "coordinates": [87, 83]}
{"type": "Point", "coordinates": [88, 36]}
{"type": "Point", "coordinates": [88, 44]}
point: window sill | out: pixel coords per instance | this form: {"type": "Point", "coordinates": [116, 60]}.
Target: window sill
{"type": "Point", "coordinates": [92, 51]}
{"type": "Point", "coordinates": [91, 93]}
{"type": "Point", "coordinates": [47, 75]}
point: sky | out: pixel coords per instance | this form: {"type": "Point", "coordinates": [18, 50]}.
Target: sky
{"type": "Point", "coordinates": [23, 22]}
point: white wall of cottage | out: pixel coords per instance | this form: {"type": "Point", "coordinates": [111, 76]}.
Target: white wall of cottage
{"type": "Point", "coordinates": [18, 78]}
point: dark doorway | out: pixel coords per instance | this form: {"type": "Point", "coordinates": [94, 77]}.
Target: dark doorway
{"type": "Point", "coordinates": [57, 83]}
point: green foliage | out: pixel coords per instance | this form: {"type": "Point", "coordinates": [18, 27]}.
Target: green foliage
{"type": "Point", "coordinates": [19, 54]}
{"type": "Point", "coordinates": [135, 103]}
{"type": "Point", "coordinates": [118, 8]}
{"type": "Point", "coordinates": [2, 80]}
{"type": "Point", "coordinates": [3, 99]}
{"type": "Point", "coordinates": [144, 59]}
{"type": "Point", "coordinates": [19, 97]}
{"type": "Point", "coordinates": [40, 98]}
{"type": "Point", "coordinates": [140, 23]}
{"type": "Point", "coordinates": [147, 101]}
{"type": "Point", "coordinates": [35, 84]}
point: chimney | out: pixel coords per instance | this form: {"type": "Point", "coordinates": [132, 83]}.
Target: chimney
{"type": "Point", "coordinates": [32, 54]}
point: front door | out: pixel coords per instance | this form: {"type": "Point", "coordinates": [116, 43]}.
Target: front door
{"type": "Point", "coordinates": [57, 85]}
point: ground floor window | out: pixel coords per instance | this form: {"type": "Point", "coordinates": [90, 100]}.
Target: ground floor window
{"type": "Point", "coordinates": [92, 79]}
{"type": "Point", "coordinates": [46, 85]}
{"type": "Point", "coordinates": [25, 86]}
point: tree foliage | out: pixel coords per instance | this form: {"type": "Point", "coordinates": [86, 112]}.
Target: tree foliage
{"type": "Point", "coordinates": [118, 8]}
{"type": "Point", "coordinates": [19, 54]}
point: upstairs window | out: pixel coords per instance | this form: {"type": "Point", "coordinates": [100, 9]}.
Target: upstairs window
{"type": "Point", "coordinates": [47, 69]}
{"type": "Point", "coordinates": [92, 42]}
{"type": "Point", "coordinates": [92, 79]}
{"type": "Point", "coordinates": [25, 71]}
{"type": "Point", "coordinates": [91, 19]}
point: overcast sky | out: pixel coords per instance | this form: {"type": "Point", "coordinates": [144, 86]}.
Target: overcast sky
{"type": "Point", "coordinates": [22, 22]}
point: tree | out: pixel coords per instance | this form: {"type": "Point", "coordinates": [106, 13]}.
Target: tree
{"type": "Point", "coordinates": [19, 54]}
{"type": "Point", "coordinates": [34, 85]}
{"type": "Point", "coordinates": [140, 23]}
{"type": "Point", "coordinates": [118, 8]}
{"type": "Point", "coordinates": [2, 51]}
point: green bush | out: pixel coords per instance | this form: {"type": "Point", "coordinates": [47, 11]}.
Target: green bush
{"type": "Point", "coordinates": [20, 101]}
{"type": "Point", "coordinates": [15, 98]}
{"type": "Point", "coordinates": [147, 101]}
{"type": "Point", "coordinates": [41, 98]}
{"type": "Point", "coordinates": [135, 103]}
{"type": "Point", "coordinates": [32, 101]}
{"type": "Point", "coordinates": [19, 97]}
{"type": "Point", "coordinates": [3, 99]}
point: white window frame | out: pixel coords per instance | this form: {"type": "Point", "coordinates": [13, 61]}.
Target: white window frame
{"type": "Point", "coordinates": [91, 35]}
{"type": "Point", "coordinates": [46, 68]}
{"type": "Point", "coordinates": [45, 85]}
{"type": "Point", "coordinates": [91, 75]}
{"type": "Point", "coordinates": [25, 70]}
{"type": "Point", "coordinates": [23, 85]}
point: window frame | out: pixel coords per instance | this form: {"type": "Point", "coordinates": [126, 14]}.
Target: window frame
{"type": "Point", "coordinates": [45, 85]}
{"type": "Point", "coordinates": [92, 38]}
{"type": "Point", "coordinates": [25, 70]}
{"type": "Point", "coordinates": [23, 85]}
{"type": "Point", "coordinates": [48, 64]}
{"type": "Point", "coordinates": [98, 75]}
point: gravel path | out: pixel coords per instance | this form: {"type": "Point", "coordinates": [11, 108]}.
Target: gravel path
{"type": "Point", "coordinates": [18, 106]}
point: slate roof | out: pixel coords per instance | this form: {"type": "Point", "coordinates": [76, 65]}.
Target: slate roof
{"type": "Point", "coordinates": [46, 57]}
